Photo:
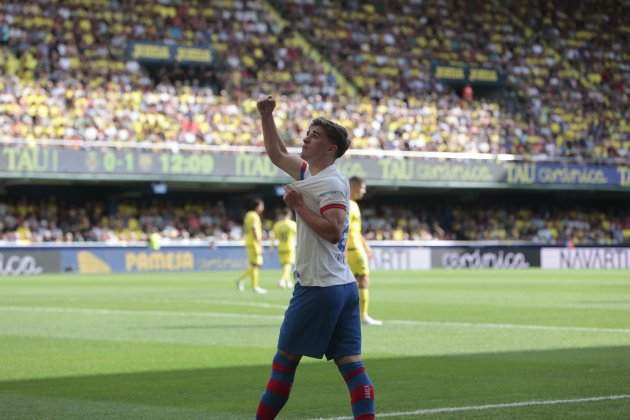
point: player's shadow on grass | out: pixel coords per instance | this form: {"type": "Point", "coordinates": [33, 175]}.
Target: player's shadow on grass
{"type": "Point", "coordinates": [408, 383]}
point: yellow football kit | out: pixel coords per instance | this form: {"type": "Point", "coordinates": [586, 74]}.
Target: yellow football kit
{"type": "Point", "coordinates": [253, 238]}
{"type": "Point", "coordinates": [357, 257]}
{"type": "Point", "coordinates": [285, 232]}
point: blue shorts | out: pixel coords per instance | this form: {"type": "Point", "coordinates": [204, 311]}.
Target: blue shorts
{"type": "Point", "coordinates": [322, 321]}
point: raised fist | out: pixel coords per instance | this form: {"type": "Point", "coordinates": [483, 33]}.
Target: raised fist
{"type": "Point", "coordinates": [266, 105]}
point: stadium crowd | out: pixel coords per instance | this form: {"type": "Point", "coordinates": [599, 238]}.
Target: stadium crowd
{"type": "Point", "coordinates": [566, 61]}
{"type": "Point", "coordinates": [65, 73]}
{"type": "Point", "coordinates": [537, 224]}
{"type": "Point", "coordinates": [27, 221]}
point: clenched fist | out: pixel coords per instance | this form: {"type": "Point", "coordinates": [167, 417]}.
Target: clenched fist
{"type": "Point", "coordinates": [266, 105]}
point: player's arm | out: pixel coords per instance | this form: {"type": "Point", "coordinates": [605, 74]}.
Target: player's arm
{"type": "Point", "coordinates": [366, 247]}
{"type": "Point", "coordinates": [250, 229]}
{"type": "Point", "coordinates": [275, 147]}
{"type": "Point", "coordinates": [329, 225]}
{"type": "Point", "coordinates": [256, 228]}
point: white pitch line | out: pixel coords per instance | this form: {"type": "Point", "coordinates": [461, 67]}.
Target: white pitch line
{"type": "Point", "coordinates": [239, 303]}
{"type": "Point", "coordinates": [510, 326]}
{"type": "Point", "coordinates": [100, 311]}
{"type": "Point", "coordinates": [97, 311]}
{"type": "Point", "coordinates": [427, 411]}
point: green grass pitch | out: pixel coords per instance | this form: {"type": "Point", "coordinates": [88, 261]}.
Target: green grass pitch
{"type": "Point", "coordinates": [455, 345]}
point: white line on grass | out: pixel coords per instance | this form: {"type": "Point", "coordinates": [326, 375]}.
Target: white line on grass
{"type": "Point", "coordinates": [239, 303]}
{"type": "Point", "coordinates": [95, 311]}
{"type": "Point", "coordinates": [511, 326]}
{"type": "Point", "coordinates": [427, 411]}
{"type": "Point", "coordinates": [481, 325]}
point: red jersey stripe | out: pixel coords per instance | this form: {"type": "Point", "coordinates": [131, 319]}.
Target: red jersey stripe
{"type": "Point", "coordinates": [332, 206]}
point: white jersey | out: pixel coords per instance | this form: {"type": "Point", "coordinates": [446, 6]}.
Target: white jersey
{"type": "Point", "coordinates": [318, 261]}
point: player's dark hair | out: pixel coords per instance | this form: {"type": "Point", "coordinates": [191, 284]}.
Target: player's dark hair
{"type": "Point", "coordinates": [252, 203]}
{"type": "Point", "coordinates": [336, 133]}
{"type": "Point", "coordinates": [356, 180]}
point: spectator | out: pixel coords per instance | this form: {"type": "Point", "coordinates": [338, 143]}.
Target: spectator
{"type": "Point", "coordinates": [24, 221]}
{"type": "Point", "coordinates": [64, 74]}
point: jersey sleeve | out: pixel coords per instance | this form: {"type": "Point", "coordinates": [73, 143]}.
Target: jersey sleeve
{"type": "Point", "coordinates": [334, 198]}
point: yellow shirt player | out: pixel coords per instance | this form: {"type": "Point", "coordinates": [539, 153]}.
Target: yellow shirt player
{"type": "Point", "coordinates": [358, 250]}
{"type": "Point", "coordinates": [252, 230]}
{"type": "Point", "coordinates": [285, 232]}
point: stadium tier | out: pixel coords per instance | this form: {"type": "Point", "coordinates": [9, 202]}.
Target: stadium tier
{"type": "Point", "coordinates": [27, 221]}
{"type": "Point", "coordinates": [547, 81]}
{"type": "Point", "coordinates": [435, 94]}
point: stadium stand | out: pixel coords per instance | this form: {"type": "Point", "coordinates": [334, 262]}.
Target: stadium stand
{"type": "Point", "coordinates": [539, 225]}
{"type": "Point", "coordinates": [581, 69]}
{"type": "Point", "coordinates": [66, 74]}
{"type": "Point", "coordinates": [24, 220]}
{"type": "Point", "coordinates": [389, 48]}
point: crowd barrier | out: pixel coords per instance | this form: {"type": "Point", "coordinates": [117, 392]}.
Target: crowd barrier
{"type": "Point", "coordinates": [207, 165]}
{"type": "Point", "coordinates": [29, 260]}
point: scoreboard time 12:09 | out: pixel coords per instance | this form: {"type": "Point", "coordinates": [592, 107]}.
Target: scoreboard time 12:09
{"type": "Point", "coordinates": [115, 161]}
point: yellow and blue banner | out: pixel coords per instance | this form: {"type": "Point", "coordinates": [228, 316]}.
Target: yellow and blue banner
{"type": "Point", "coordinates": [463, 74]}
{"type": "Point", "coordinates": [154, 52]}
{"type": "Point", "coordinates": [189, 166]}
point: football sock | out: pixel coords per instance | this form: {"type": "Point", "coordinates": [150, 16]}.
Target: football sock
{"type": "Point", "coordinates": [361, 390]}
{"type": "Point", "coordinates": [286, 273]}
{"type": "Point", "coordinates": [255, 274]}
{"type": "Point", "coordinates": [364, 300]}
{"type": "Point", "coordinates": [244, 275]}
{"type": "Point", "coordinates": [278, 388]}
